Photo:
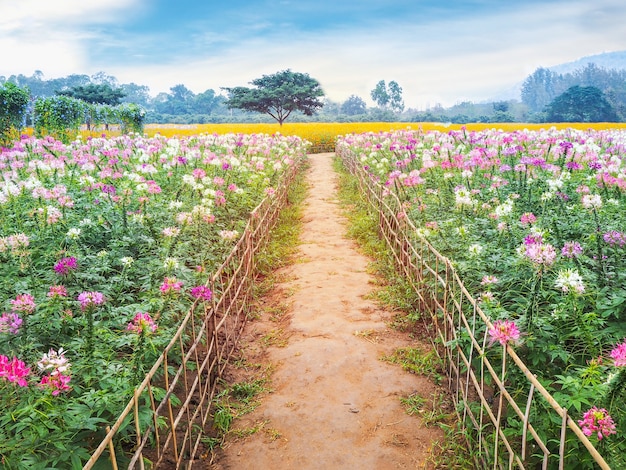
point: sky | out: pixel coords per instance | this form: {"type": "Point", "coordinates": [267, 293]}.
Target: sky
{"type": "Point", "coordinates": [439, 52]}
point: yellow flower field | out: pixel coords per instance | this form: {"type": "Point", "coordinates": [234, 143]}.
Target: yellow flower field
{"type": "Point", "coordinates": [323, 134]}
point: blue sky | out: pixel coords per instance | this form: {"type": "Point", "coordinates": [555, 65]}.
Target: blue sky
{"type": "Point", "coordinates": [437, 51]}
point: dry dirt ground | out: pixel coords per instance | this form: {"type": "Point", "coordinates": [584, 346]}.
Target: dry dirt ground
{"type": "Point", "coordinates": [333, 403]}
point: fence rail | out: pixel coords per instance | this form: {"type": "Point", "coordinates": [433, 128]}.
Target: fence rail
{"type": "Point", "coordinates": [499, 419]}
{"type": "Point", "coordinates": [169, 410]}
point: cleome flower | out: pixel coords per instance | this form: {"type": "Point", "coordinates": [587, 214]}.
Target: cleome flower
{"type": "Point", "coordinates": [619, 355]}
{"type": "Point", "coordinates": [142, 323]}
{"type": "Point", "coordinates": [597, 421]}
{"type": "Point", "coordinates": [503, 331]}
{"type": "Point", "coordinates": [568, 280]}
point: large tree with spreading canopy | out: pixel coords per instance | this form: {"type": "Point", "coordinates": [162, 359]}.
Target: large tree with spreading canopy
{"type": "Point", "coordinates": [278, 95]}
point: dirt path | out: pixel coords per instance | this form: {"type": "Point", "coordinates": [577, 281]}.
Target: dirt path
{"type": "Point", "coordinates": [334, 404]}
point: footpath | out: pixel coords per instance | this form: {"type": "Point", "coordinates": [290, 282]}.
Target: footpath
{"type": "Point", "coordinates": [334, 404]}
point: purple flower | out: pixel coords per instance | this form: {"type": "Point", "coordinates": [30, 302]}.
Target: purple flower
{"type": "Point", "coordinates": [615, 238]}
{"type": "Point", "coordinates": [66, 265]}
{"type": "Point", "coordinates": [201, 292]}
{"type": "Point", "coordinates": [10, 323]}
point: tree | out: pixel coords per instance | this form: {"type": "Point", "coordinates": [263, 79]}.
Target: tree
{"type": "Point", "coordinates": [95, 94]}
{"type": "Point", "coordinates": [388, 96]}
{"type": "Point", "coordinates": [278, 95]}
{"type": "Point", "coordinates": [353, 105]}
{"type": "Point", "coordinates": [179, 101]}
{"type": "Point", "coordinates": [581, 104]}
{"type": "Point", "coordinates": [13, 102]}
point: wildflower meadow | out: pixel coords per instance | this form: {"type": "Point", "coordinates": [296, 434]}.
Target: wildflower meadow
{"type": "Point", "coordinates": [534, 222]}
{"type": "Point", "coordinates": [105, 243]}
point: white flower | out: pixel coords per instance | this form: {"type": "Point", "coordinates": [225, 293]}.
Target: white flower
{"type": "Point", "coordinates": [127, 261]}
{"type": "Point", "coordinates": [170, 264]}
{"type": "Point", "coordinates": [102, 254]}
{"type": "Point", "coordinates": [175, 204]}
{"type": "Point", "coordinates": [73, 233]}
{"type": "Point", "coordinates": [475, 249]}
{"type": "Point", "coordinates": [591, 201]}
{"type": "Point", "coordinates": [569, 279]}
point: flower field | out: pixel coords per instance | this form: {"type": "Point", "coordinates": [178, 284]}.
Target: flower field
{"type": "Point", "coordinates": [105, 244]}
{"type": "Point", "coordinates": [534, 222]}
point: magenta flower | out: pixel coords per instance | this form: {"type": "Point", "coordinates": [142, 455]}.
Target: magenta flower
{"type": "Point", "coordinates": [57, 383]}
{"type": "Point", "coordinates": [142, 323]}
{"type": "Point", "coordinates": [14, 370]}
{"type": "Point", "coordinates": [503, 331]}
{"type": "Point", "coordinates": [619, 355]}
{"type": "Point", "coordinates": [66, 265]}
{"type": "Point", "coordinates": [10, 323]}
{"type": "Point", "coordinates": [24, 303]}
{"type": "Point", "coordinates": [597, 420]}
{"type": "Point", "coordinates": [202, 293]}
{"type": "Point", "coordinates": [171, 286]}
{"type": "Point", "coordinates": [90, 299]}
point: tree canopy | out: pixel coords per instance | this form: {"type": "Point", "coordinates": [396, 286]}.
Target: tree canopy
{"type": "Point", "coordinates": [388, 96]}
{"type": "Point", "coordinates": [95, 93]}
{"type": "Point", "coordinates": [581, 104]}
{"type": "Point", "coordinates": [278, 95]}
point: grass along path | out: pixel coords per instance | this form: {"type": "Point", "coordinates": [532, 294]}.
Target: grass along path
{"type": "Point", "coordinates": [327, 399]}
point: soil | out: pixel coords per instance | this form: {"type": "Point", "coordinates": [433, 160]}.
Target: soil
{"type": "Point", "coordinates": [333, 403]}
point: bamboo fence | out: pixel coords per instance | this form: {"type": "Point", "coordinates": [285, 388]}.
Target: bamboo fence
{"type": "Point", "coordinates": [496, 417]}
{"type": "Point", "coordinates": [163, 424]}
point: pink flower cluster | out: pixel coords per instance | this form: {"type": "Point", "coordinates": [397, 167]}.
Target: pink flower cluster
{"type": "Point", "coordinates": [201, 292]}
{"type": "Point", "coordinates": [58, 380]}
{"type": "Point", "coordinates": [541, 254]}
{"type": "Point", "coordinates": [142, 323]}
{"type": "Point", "coordinates": [14, 370]}
{"type": "Point", "coordinates": [56, 292]}
{"type": "Point", "coordinates": [10, 323]}
{"type": "Point", "coordinates": [528, 218]}
{"type": "Point", "coordinates": [619, 355]}
{"type": "Point", "coordinates": [171, 286]}
{"type": "Point", "coordinates": [24, 303]}
{"type": "Point", "coordinates": [597, 421]}
{"type": "Point", "coordinates": [503, 331]}
{"type": "Point", "coordinates": [90, 299]}
{"type": "Point", "coordinates": [614, 238]}
{"type": "Point", "coordinates": [571, 250]}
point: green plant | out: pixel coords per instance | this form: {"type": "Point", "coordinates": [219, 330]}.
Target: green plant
{"type": "Point", "coordinates": [13, 103]}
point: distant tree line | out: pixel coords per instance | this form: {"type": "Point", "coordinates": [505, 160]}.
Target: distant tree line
{"type": "Point", "coordinates": [589, 94]}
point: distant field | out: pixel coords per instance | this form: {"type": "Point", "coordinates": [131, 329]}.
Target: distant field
{"type": "Point", "coordinates": [323, 135]}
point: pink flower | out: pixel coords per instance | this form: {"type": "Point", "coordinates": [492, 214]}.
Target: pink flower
{"type": "Point", "coordinates": [56, 292]}
{"type": "Point", "coordinates": [571, 250]}
{"type": "Point", "coordinates": [489, 280]}
{"type": "Point", "coordinates": [170, 286]}
{"type": "Point", "coordinates": [619, 355]}
{"type": "Point", "coordinates": [57, 383]}
{"type": "Point", "coordinates": [90, 299]}
{"type": "Point", "coordinates": [24, 303]}
{"type": "Point", "coordinates": [202, 293]}
{"type": "Point", "coordinates": [65, 265]}
{"type": "Point", "coordinates": [142, 323]}
{"type": "Point", "coordinates": [528, 218]}
{"type": "Point", "coordinates": [10, 323]}
{"type": "Point", "coordinates": [503, 331]}
{"type": "Point", "coordinates": [597, 420]}
{"type": "Point", "coordinates": [14, 370]}
{"type": "Point", "coordinates": [540, 253]}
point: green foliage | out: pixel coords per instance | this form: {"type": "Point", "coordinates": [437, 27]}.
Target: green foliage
{"type": "Point", "coordinates": [354, 105]}
{"type": "Point", "coordinates": [13, 102]}
{"type": "Point", "coordinates": [278, 95]}
{"type": "Point", "coordinates": [388, 96]}
{"type": "Point", "coordinates": [59, 117]}
{"type": "Point", "coordinates": [581, 104]}
{"type": "Point", "coordinates": [95, 94]}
